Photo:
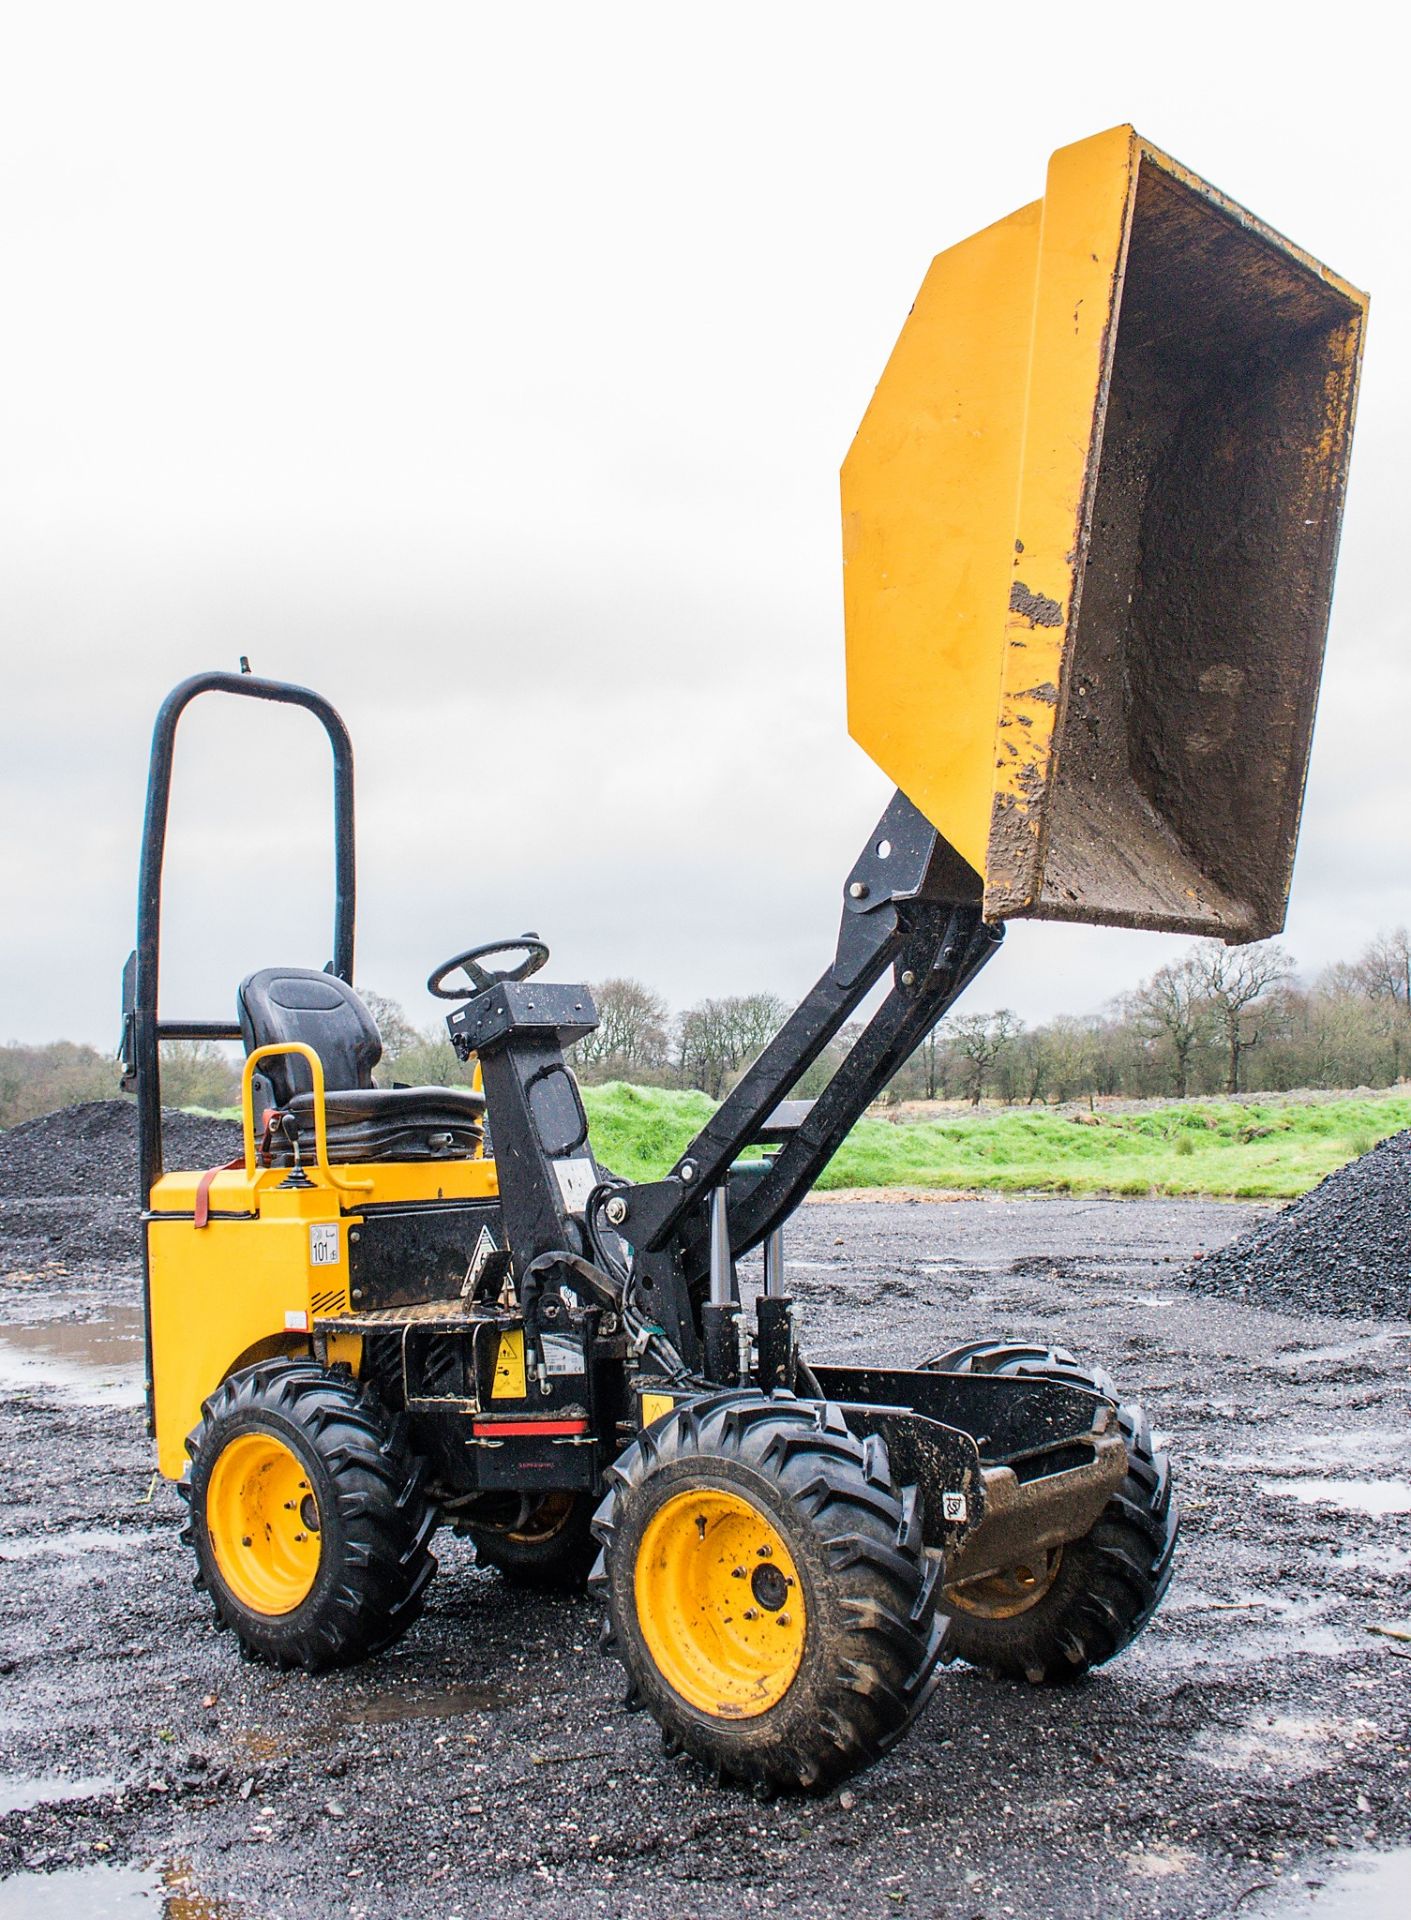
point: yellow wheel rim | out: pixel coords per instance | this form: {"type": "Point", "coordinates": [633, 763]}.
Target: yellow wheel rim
{"type": "Point", "coordinates": [719, 1603]}
{"type": "Point", "coordinates": [263, 1523]}
{"type": "Point", "coordinates": [1003, 1596]}
{"type": "Point", "coordinates": [545, 1520]}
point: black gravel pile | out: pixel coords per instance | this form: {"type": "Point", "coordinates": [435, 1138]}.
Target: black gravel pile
{"type": "Point", "coordinates": [1343, 1248]}
{"type": "Point", "coordinates": [68, 1182]}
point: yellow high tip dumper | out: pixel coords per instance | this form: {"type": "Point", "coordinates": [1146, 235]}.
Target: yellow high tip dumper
{"type": "Point", "coordinates": [1090, 525]}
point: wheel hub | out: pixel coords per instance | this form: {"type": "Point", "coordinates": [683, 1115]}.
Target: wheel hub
{"type": "Point", "coordinates": [1010, 1592]}
{"type": "Point", "coordinates": [263, 1522]}
{"type": "Point", "coordinates": [769, 1586]}
{"type": "Point", "coordinates": [719, 1603]}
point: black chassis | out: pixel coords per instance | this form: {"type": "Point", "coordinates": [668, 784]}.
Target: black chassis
{"type": "Point", "coordinates": [645, 1274]}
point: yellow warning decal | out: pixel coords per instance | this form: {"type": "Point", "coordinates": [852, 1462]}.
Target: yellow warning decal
{"type": "Point", "coordinates": [654, 1405]}
{"type": "Point", "coordinates": [509, 1381]}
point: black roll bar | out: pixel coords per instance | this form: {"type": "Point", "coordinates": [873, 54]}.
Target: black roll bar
{"type": "Point", "coordinates": [142, 1027]}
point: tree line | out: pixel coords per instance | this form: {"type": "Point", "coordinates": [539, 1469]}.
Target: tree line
{"type": "Point", "coordinates": [1218, 1020]}
{"type": "Point", "coordinates": [1215, 1020]}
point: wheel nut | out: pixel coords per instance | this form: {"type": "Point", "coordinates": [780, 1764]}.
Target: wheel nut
{"type": "Point", "coordinates": [737, 1573]}
{"type": "Point", "coordinates": [766, 1552]}
{"type": "Point", "coordinates": [782, 1618]}
{"type": "Point", "coordinates": [751, 1613]}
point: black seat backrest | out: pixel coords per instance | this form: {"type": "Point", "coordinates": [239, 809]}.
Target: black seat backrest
{"type": "Point", "coordinates": [295, 1003]}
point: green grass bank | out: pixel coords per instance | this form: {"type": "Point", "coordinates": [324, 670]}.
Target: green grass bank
{"type": "Point", "coordinates": [1234, 1150]}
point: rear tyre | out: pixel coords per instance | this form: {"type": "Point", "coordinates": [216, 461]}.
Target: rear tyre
{"type": "Point", "coordinates": [767, 1590]}
{"type": "Point", "coordinates": [547, 1544]}
{"type": "Point", "coordinates": [307, 1516]}
{"type": "Point", "coordinates": [1072, 1607]}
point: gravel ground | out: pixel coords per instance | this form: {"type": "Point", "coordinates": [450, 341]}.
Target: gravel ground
{"type": "Point", "coordinates": [1344, 1247]}
{"type": "Point", "coordinates": [1256, 1738]}
{"type": "Point", "coordinates": [52, 1168]}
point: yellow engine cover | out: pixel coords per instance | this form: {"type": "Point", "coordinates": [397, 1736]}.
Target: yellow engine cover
{"type": "Point", "coordinates": [271, 1260]}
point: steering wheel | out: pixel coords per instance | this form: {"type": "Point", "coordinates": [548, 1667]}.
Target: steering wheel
{"type": "Point", "coordinates": [483, 978]}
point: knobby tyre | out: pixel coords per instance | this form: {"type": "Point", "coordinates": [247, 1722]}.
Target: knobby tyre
{"type": "Point", "coordinates": [1090, 1598]}
{"type": "Point", "coordinates": [767, 1590]}
{"type": "Point", "coordinates": [307, 1515]}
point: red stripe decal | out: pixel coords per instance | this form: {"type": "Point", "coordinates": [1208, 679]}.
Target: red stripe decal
{"type": "Point", "coordinates": [545, 1429]}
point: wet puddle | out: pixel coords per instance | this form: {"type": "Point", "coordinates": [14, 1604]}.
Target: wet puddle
{"type": "Point", "coordinates": [380, 1710]}
{"type": "Point", "coordinates": [1332, 1449]}
{"type": "Point", "coordinates": [96, 1363]}
{"type": "Point", "coordinates": [76, 1545]}
{"type": "Point", "coordinates": [1245, 1627]}
{"type": "Point", "coordinates": [1283, 1747]}
{"type": "Point", "coordinates": [81, 1893]}
{"type": "Point", "coordinates": [1381, 1560]}
{"type": "Point", "coordinates": [1373, 1886]}
{"type": "Point", "coordinates": [1361, 1449]}
{"type": "Point", "coordinates": [1351, 1350]}
{"type": "Point", "coordinates": [1374, 1497]}
{"type": "Point", "coordinates": [390, 1709]}
{"type": "Point", "coordinates": [108, 1893]}
{"type": "Point", "coordinates": [19, 1791]}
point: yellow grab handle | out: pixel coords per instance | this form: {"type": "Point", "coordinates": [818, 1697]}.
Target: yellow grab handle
{"type": "Point", "coordinates": [247, 1113]}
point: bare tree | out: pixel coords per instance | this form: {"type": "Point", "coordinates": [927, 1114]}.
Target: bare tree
{"type": "Point", "coordinates": [716, 1038]}
{"type": "Point", "coordinates": [1385, 967]}
{"type": "Point", "coordinates": [931, 1055]}
{"type": "Point", "coordinates": [631, 1036]}
{"type": "Point", "coordinates": [1384, 973]}
{"type": "Point", "coordinates": [1034, 1064]}
{"type": "Point", "coordinates": [198, 1073]}
{"type": "Point", "coordinates": [1236, 983]}
{"type": "Point", "coordinates": [399, 1036]}
{"type": "Point", "coordinates": [1172, 1006]}
{"type": "Point", "coordinates": [981, 1040]}
{"type": "Point", "coordinates": [1071, 1045]}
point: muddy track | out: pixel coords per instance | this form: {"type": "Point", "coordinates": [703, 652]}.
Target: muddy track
{"type": "Point", "coordinates": [1259, 1731]}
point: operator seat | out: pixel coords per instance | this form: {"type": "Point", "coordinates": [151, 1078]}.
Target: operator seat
{"type": "Point", "coordinates": [364, 1122]}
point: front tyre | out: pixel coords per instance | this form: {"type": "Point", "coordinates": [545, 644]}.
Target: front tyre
{"type": "Point", "coordinates": [767, 1590]}
{"type": "Point", "coordinates": [1064, 1610]}
{"type": "Point", "coordinates": [307, 1516]}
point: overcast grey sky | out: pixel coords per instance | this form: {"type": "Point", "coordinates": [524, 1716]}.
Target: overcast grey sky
{"type": "Point", "coordinates": [490, 368]}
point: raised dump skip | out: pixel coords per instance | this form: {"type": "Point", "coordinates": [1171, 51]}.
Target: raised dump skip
{"type": "Point", "coordinates": [1091, 522]}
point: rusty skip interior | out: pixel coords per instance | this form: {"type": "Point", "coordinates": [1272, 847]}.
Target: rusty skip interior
{"type": "Point", "coordinates": [1214, 498]}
